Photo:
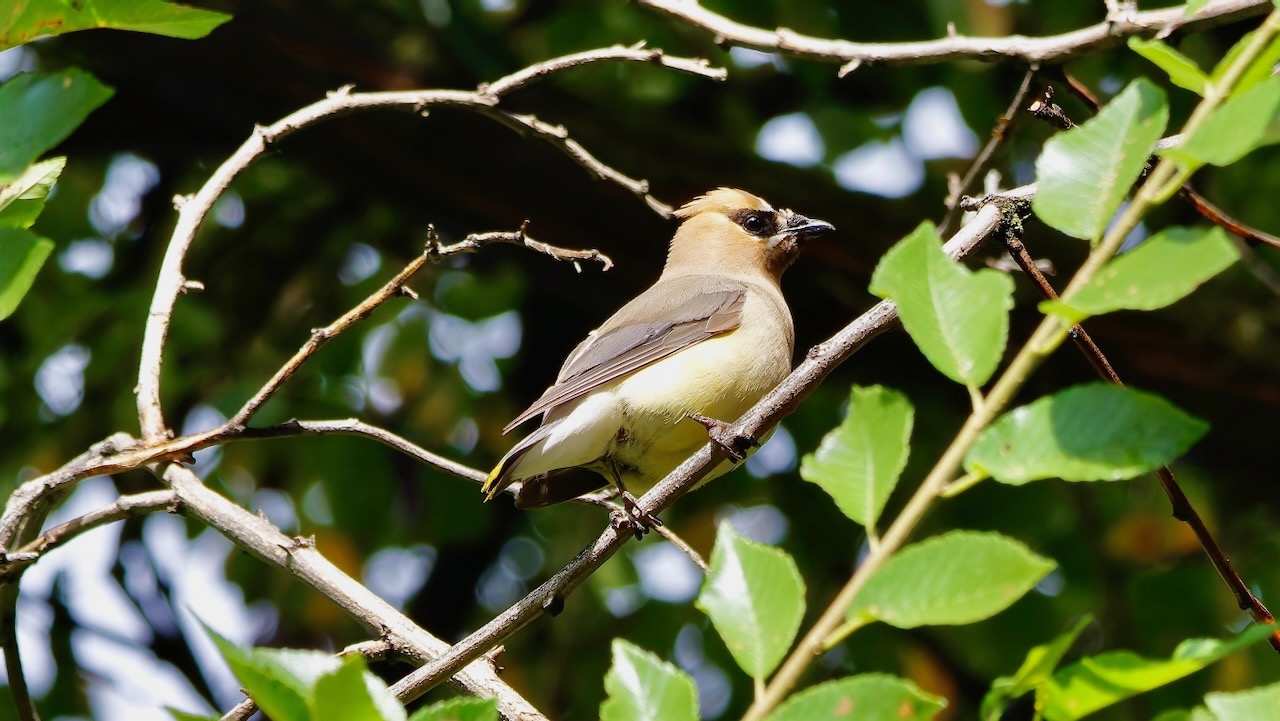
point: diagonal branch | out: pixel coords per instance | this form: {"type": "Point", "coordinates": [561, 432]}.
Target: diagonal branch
{"type": "Point", "coordinates": [1028, 50]}
{"type": "Point", "coordinates": [779, 403]}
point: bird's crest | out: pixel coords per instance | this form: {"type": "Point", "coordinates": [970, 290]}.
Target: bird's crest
{"type": "Point", "coordinates": [723, 200]}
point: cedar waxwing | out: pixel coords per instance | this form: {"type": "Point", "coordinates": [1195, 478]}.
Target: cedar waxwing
{"type": "Point", "coordinates": [708, 339]}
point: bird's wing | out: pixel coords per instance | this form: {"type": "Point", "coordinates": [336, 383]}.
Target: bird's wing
{"type": "Point", "coordinates": [658, 323]}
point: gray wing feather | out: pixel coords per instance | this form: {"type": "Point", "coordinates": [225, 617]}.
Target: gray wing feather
{"type": "Point", "coordinates": [615, 352]}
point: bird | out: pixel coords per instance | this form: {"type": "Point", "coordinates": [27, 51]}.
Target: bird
{"type": "Point", "coordinates": [699, 347]}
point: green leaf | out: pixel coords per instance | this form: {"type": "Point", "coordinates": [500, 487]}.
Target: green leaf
{"type": "Point", "coordinates": [932, 583]}
{"type": "Point", "coordinates": [1035, 671]}
{"type": "Point", "coordinates": [22, 199]}
{"type": "Point", "coordinates": [1092, 432]}
{"type": "Point", "coordinates": [21, 255]}
{"type": "Point", "coordinates": [959, 319]}
{"type": "Point", "coordinates": [1244, 123]}
{"type": "Point", "coordinates": [39, 110]}
{"type": "Point", "coordinates": [1182, 70]}
{"type": "Point", "coordinates": [1260, 69]}
{"type": "Point", "coordinates": [865, 697]}
{"type": "Point", "coordinates": [459, 709]}
{"type": "Point", "coordinates": [754, 595]}
{"type": "Point", "coordinates": [343, 695]}
{"type": "Point", "coordinates": [643, 687]}
{"type": "Point", "coordinates": [1083, 174]}
{"type": "Point", "coordinates": [1259, 704]}
{"type": "Point", "coordinates": [1193, 7]}
{"type": "Point", "coordinates": [180, 715]}
{"type": "Point", "coordinates": [278, 692]}
{"type": "Point", "coordinates": [1166, 268]}
{"type": "Point", "coordinates": [1095, 682]}
{"type": "Point", "coordinates": [31, 19]}
{"type": "Point", "coordinates": [859, 462]}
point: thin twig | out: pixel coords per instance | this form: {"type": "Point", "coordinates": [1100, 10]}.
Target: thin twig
{"type": "Point", "coordinates": [1018, 48]}
{"type": "Point", "coordinates": [780, 402]}
{"type": "Point", "coordinates": [1181, 506]}
{"type": "Point", "coordinates": [979, 165]}
{"type": "Point", "coordinates": [484, 100]}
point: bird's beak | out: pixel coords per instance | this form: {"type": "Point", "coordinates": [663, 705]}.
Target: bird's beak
{"type": "Point", "coordinates": [802, 227]}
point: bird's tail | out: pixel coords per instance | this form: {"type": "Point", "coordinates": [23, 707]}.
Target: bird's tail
{"type": "Point", "coordinates": [504, 474]}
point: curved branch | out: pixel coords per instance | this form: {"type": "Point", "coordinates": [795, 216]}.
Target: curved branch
{"type": "Point", "coordinates": [1048, 49]}
{"type": "Point", "coordinates": [780, 402]}
{"type": "Point", "coordinates": [192, 209]}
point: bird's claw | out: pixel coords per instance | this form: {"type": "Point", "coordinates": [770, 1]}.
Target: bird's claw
{"type": "Point", "coordinates": [631, 517]}
{"type": "Point", "coordinates": [735, 445]}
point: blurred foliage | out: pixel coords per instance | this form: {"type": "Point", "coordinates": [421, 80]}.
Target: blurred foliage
{"type": "Point", "coordinates": [312, 228]}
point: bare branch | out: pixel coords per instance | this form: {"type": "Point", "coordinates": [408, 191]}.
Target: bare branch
{"type": "Point", "coordinates": [192, 209]}
{"type": "Point", "coordinates": [780, 402]}
{"type": "Point", "coordinates": [1049, 49]}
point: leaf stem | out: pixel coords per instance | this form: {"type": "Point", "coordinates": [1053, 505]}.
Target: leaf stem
{"type": "Point", "coordinates": [963, 483]}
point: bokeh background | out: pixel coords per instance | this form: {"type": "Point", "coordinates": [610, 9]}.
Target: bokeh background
{"type": "Point", "coordinates": [110, 625]}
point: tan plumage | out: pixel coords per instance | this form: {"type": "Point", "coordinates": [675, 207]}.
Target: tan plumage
{"type": "Point", "coordinates": [710, 337]}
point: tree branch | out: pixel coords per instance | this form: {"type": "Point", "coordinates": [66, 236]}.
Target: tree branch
{"type": "Point", "coordinates": [1029, 50]}
{"type": "Point", "coordinates": [780, 402]}
{"type": "Point", "coordinates": [192, 209]}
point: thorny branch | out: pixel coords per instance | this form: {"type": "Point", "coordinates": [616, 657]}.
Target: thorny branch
{"type": "Point", "coordinates": [1015, 48]}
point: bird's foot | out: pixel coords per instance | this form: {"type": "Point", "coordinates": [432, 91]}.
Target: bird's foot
{"type": "Point", "coordinates": [735, 445]}
{"type": "Point", "coordinates": [631, 517]}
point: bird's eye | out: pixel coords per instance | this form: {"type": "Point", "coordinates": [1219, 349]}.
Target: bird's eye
{"type": "Point", "coordinates": [754, 224]}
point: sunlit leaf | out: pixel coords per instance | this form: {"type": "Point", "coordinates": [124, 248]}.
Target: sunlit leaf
{"type": "Point", "coordinates": [956, 578]}
{"type": "Point", "coordinates": [1035, 671]}
{"type": "Point", "coordinates": [1181, 69]}
{"type": "Point", "coordinates": [1095, 682]}
{"type": "Point", "coordinates": [39, 110]}
{"type": "Point", "coordinates": [21, 255]}
{"type": "Point", "coordinates": [1166, 268]}
{"type": "Point", "coordinates": [459, 709]}
{"type": "Point", "coordinates": [273, 687]}
{"type": "Point", "coordinates": [31, 19]}
{"type": "Point", "coordinates": [958, 318]}
{"type": "Point", "coordinates": [1259, 704]}
{"type": "Point", "coordinates": [643, 687]}
{"type": "Point", "coordinates": [859, 462]}
{"type": "Point", "coordinates": [1244, 123]}
{"type": "Point", "coordinates": [179, 715]}
{"type": "Point", "coordinates": [22, 198]}
{"type": "Point", "coordinates": [342, 695]}
{"type": "Point", "coordinates": [1093, 432]}
{"type": "Point", "coordinates": [865, 697]}
{"type": "Point", "coordinates": [1083, 174]}
{"type": "Point", "coordinates": [1193, 7]}
{"type": "Point", "coordinates": [754, 596]}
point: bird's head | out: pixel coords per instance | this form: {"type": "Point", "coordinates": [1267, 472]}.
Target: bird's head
{"type": "Point", "coordinates": [732, 231]}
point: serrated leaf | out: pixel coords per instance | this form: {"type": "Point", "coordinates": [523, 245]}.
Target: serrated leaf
{"type": "Point", "coordinates": [278, 692]}
{"type": "Point", "coordinates": [1083, 174]}
{"type": "Point", "coordinates": [22, 199]}
{"type": "Point", "coordinates": [865, 697]}
{"type": "Point", "coordinates": [860, 461]}
{"type": "Point", "coordinates": [1259, 704]}
{"type": "Point", "coordinates": [1166, 268]}
{"type": "Point", "coordinates": [1092, 432]}
{"type": "Point", "coordinates": [39, 110]}
{"type": "Point", "coordinates": [1181, 69]}
{"type": "Point", "coordinates": [1095, 682]}
{"type": "Point", "coordinates": [959, 319]}
{"type": "Point", "coordinates": [31, 19]}
{"type": "Point", "coordinates": [754, 595]}
{"type": "Point", "coordinates": [22, 253]}
{"type": "Point", "coordinates": [459, 709]}
{"type": "Point", "coordinates": [1034, 672]}
{"type": "Point", "coordinates": [956, 578]}
{"type": "Point", "coordinates": [343, 695]}
{"type": "Point", "coordinates": [643, 687]}
{"type": "Point", "coordinates": [1242, 124]}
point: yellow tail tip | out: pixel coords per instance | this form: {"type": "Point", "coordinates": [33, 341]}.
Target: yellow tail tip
{"type": "Point", "coordinates": [491, 489]}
